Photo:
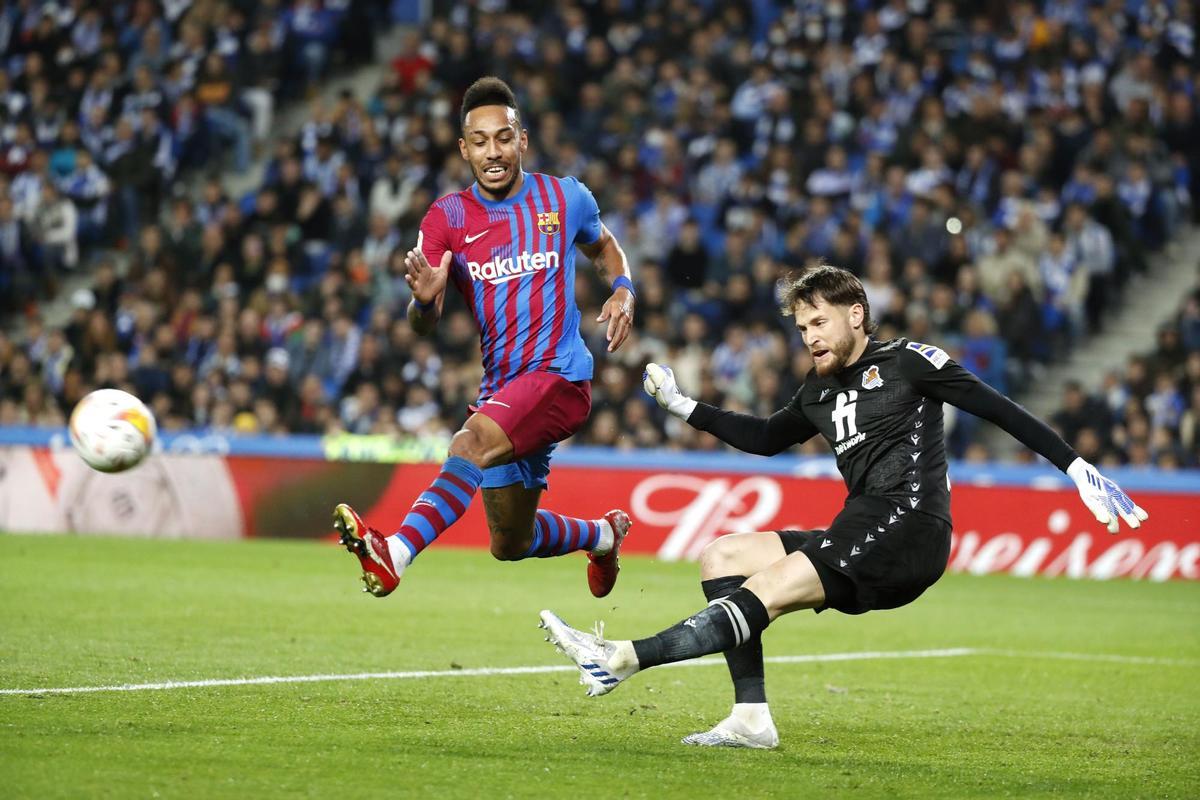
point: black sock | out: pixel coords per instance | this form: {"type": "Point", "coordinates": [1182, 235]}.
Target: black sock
{"type": "Point", "coordinates": [724, 625]}
{"type": "Point", "coordinates": [745, 662]}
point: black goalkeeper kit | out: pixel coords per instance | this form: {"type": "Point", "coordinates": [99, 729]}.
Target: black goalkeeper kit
{"type": "Point", "coordinates": [882, 416]}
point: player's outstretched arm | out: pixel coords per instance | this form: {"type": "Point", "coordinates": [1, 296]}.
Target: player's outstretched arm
{"type": "Point", "coordinates": [937, 377]}
{"type": "Point", "coordinates": [613, 266]}
{"type": "Point", "coordinates": [757, 435]}
{"type": "Point", "coordinates": [428, 287]}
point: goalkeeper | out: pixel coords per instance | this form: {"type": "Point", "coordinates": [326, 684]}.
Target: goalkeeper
{"type": "Point", "coordinates": [879, 405]}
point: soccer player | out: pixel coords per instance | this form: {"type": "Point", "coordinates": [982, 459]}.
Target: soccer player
{"type": "Point", "coordinates": [508, 244]}
{"type": "Point", "coordinates": [879, 405]}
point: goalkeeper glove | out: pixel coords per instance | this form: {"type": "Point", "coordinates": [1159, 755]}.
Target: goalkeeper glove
{"type": "Point", "coordinates": [659, 383]}
{"type": "Point", "coordinates": [1107, 502]}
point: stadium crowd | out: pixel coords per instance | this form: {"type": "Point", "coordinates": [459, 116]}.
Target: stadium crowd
{"type": "Point", "coordinates": [996, 180]}
{"type": "Point", "coordinates": [1147, 414]}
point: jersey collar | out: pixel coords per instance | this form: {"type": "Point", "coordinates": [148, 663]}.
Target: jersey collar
{"type": "Point", "coordinates": [516, 198]}
{"type": "Point", "coordinates": [845, 375]}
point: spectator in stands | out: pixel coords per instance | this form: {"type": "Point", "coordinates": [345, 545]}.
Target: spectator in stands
{"type": "Point", "coordinates": [259, 69]}
{"type": "Point", "coordinates": [687, 263]}
{"type": "Point", "coordinates": [1066, 287]}
{"type": "Point", "coordinates": [16, 253]}
{"type": "Point", "coordinates": [1092, 246]}
{"type": "Point", "coordinates": [217, 94]}
{"type": "Point", "coordinates": [1005, 260]}
{"type": "Point", "coordinates": [88, 188]}
{"type": "Point", "coordinates": [1078, 411]}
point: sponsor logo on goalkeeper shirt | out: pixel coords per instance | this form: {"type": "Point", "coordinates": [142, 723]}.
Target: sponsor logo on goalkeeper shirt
{"type": "Point", "coordinates": [851, 442]}
{"type": "Point", "coordinates": [500, 270]}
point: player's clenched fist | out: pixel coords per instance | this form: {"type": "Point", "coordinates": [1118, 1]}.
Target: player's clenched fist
{"type": "Point", "coordinates": [659, 383]}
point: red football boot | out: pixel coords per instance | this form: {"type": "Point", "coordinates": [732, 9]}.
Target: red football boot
{"type": "Point", "coordinates": [602, 570]}
{"type": "Point", "coordinates": [379, 574]}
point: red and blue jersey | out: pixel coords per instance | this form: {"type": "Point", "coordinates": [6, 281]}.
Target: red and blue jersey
{"type": "Point", "coordinates": [514, 263]}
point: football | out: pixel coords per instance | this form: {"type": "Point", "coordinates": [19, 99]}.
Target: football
{"type": "Point", "coordinates": [112, 430]}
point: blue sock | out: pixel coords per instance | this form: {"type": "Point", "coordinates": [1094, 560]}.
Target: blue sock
{"type": "Point", "coordinates": [556, 535]}
{"type": "Point", "coordinates": [439, 506]}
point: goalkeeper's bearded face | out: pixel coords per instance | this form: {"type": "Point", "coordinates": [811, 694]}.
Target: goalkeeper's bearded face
{"type": "Point", "coordinates": [831, 333]}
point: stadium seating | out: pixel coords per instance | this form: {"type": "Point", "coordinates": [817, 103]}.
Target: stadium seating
{"type": "Point", "coordinates": [995, 184]}
{"type": "Point", "coordinates": [1147, 414]}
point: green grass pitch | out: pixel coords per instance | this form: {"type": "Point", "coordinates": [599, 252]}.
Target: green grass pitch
{"type": "Point", "coordinates": [93, 612]}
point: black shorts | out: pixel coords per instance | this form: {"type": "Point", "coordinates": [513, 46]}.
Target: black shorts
{"type": "Point", "coordinates": [874, 555]}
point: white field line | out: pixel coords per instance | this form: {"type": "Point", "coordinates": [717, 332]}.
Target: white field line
{"type": "Point", "coordinates": [467, 673]}
{"type": "Point", "coordinates": [1093, 657]}
{"type": "Point", "coordinates": [952, 652]}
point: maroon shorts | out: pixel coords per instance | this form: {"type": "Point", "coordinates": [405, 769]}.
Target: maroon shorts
{"type": "Point", "coordinates": [536, 410]}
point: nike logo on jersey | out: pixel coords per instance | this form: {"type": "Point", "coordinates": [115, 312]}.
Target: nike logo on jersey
{"type": "Point", "coordinates": [496, 403]}
{"type": "Point", "coordinates": [469, 239]}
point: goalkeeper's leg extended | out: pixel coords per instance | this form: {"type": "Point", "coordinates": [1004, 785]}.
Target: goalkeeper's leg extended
{"type": "Point", "coordinates": [735, 618]}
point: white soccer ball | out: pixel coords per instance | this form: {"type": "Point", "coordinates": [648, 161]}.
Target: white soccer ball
{"type": "Point", "coordinates": [112, 430]}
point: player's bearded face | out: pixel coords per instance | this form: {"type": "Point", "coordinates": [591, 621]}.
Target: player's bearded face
{"type": "Point", "coordinates": [493, 143]}
{"type": "Point", "coordinates": [828, 333]}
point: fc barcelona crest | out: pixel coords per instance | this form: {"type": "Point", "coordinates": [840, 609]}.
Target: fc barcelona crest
{"type": "Point", "coordinates": [548, 222]}
{"type": "Point", "coordinates": [871, 379]}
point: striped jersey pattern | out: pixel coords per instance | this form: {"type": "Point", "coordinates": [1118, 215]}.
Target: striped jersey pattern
{"type": "Point", "coordinates": [514, 263]}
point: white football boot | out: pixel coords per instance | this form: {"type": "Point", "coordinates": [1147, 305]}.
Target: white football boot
{"type": "Point", "coordinates": [602, 665]}
{"type": "Point", "coordinates": [749, 725]}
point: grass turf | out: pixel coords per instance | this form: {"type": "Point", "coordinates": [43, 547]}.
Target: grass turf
{"type": "Point", "coordinates": [91, 611]}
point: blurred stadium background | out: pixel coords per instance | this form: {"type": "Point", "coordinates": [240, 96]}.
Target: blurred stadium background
{"type": "Point", "coordinates": [206, 202]}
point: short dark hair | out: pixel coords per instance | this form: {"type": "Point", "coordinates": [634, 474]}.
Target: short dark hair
{"type": "Point", "coordinates": [834, 285]}
{"type": "Point", "coordinates": [488, 91]}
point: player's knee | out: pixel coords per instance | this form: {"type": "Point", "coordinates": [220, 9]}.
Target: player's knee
{"type": "Point", "coordinates": [721, 556]}
{"type": "Point", "coordinates": [480, 448]}
{"type": "Point", "coordinates": [508, 547]}
{"type": "Point", "coordinates": [469, 445]}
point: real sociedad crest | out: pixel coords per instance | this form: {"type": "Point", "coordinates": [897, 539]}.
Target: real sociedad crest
{"type": "Point", "coordinates": [548, 222]}
{"type": "Point", "coordinates": [871, 378]}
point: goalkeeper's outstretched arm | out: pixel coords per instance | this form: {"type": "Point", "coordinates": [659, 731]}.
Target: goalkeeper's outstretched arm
{"type": "Point", "coordinates": [944, 380]}
{"type": "Point", "coordinates": [763, 436]}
